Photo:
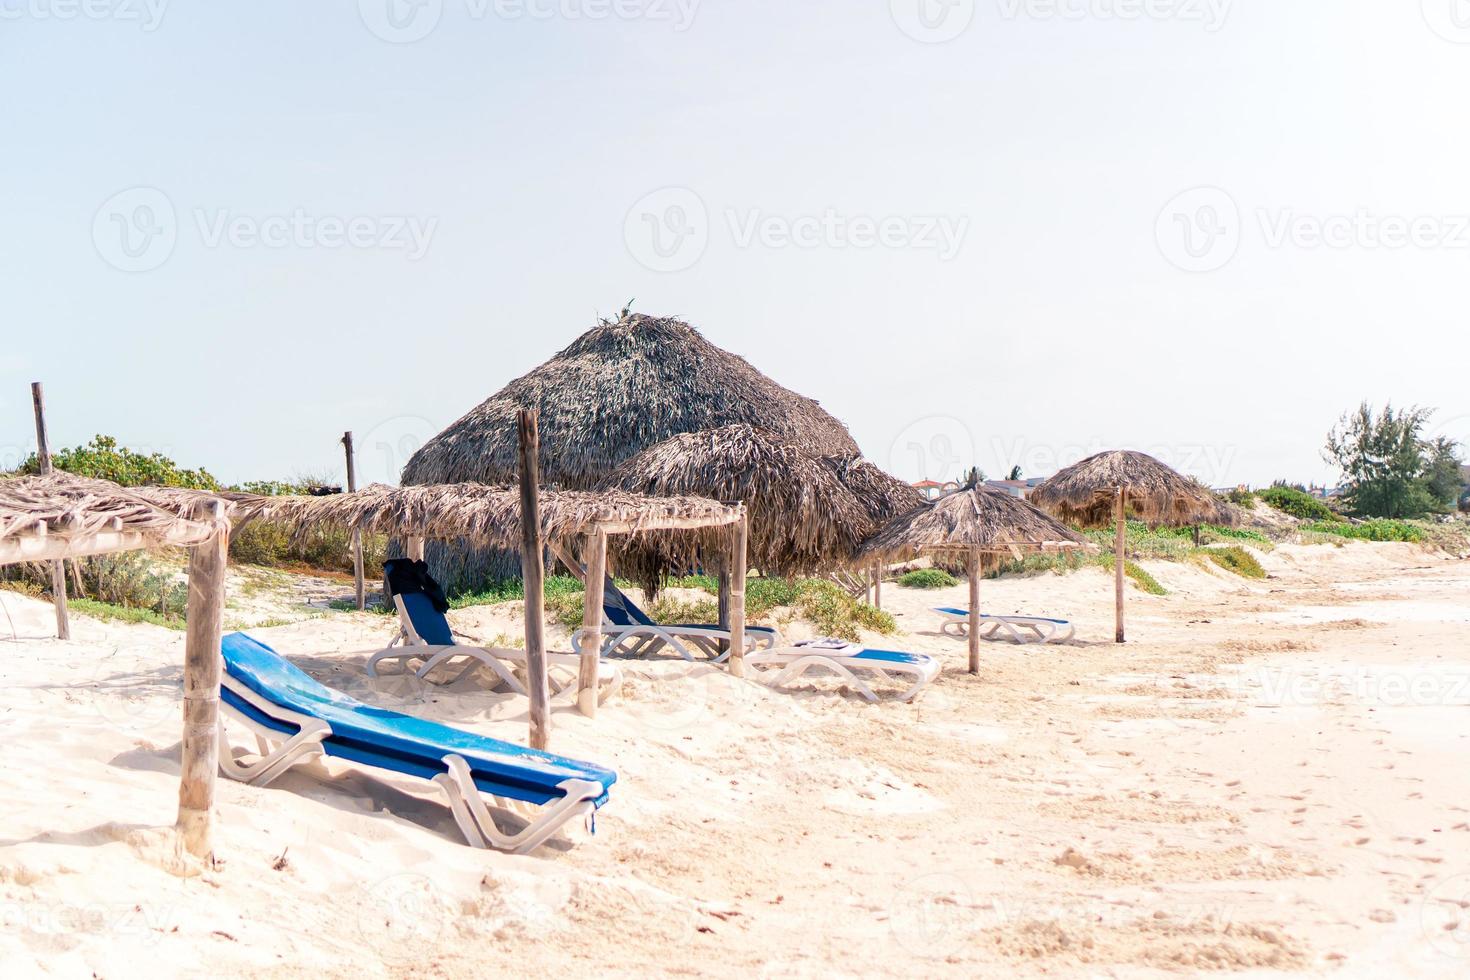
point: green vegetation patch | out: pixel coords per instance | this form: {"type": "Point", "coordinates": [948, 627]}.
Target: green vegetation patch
{"type": "Point", "coordinates": [928, 578]}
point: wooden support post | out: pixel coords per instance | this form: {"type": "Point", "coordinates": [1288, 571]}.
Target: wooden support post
{"type": "Point", "coordinates": [357, 531]}
{"type": "Point", "coordinates": [878, 586]}
{"type": "Point", "coordinates": [414, 548]}
{"type": "Point", "coordinates": [739, 542]}
{"type": "Point", "coordinates": [58, 567]}
{"type": "Point", "coordinates": [1120, 556]}
{"type": "Point", "coordinates": [200, 761]}
{"type": "Point", "coordinates": [722, 578]}
{"type": "Point", "coordinates": [533, 575]}
{"type": "Point", "coordinates": [595, 579]}
{"type": "Point", "coordinates": [972, 566]}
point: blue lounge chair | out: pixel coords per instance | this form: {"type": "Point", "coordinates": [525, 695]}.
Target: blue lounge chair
{"type": "Point", "coordinates": [294, 719]}
{"type": "Point", "coordinates": [853, 664]}
{"type": "Point", "coordinates": [1022, 629]}
{"type": "Point", "coordinates": [628, 631]}
{"type": "Point", "coordinates": [426, 637]}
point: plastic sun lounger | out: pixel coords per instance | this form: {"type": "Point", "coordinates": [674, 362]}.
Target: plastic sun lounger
{"type": "Point", "coordinates": [781, 667]}
{"type": "Point", "coordinates": [1022, 629]}
{"type": "Point", "coordinates": [628, 631]}
{"type": "Point", "coordinates": [281, 704]}
{"type": "Point", "coordinates": [295, 719]}
{"type": "Point", "coordinates": [426, 636]}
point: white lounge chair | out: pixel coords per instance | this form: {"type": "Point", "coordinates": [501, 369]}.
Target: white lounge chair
{"type": "Point", "coordinates": [629, 632]}
{"type": "Point", "coordinates": [853, 664]}
{"type": "Point", "coordinates": [1022, 629]}
{"type": "Point", "coordinates": [426, 637]}
{"type": "Point", "coordinates": [295, 719]}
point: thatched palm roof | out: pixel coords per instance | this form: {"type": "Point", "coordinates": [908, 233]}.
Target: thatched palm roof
{"type": "Point", "coordinates": [981, 519]}
{"type": "Point", "coordinates": [492, 515]}
{"type": "Point", "coordinates": [1084, 492]}
{"type": "Point", "coordinates": [804, 516]}
{"type": "Point", "coordinates": [617, 390]}
{"type": "Point", "coordinates": [884, 497]}
{"type": "Point", "coordinates": [64, 515]}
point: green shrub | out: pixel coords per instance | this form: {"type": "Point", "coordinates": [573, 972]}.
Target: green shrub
{"type": "Point", "coordinates": [1135, 572]}
{"type": "Point", "coordinates": [668, 610]}
{"type": "Point", "coordinates": [1236, 559]}
{"type": "Point", "coordinates": [1242, 497]}
{"type": "Point", "coordinates": [1382, 529]}
{"type": "Point", "coordinates": [928, 578]}
{"type": "Point", "coordinates": [1290, 500]}
{"type": "Point", "coordinates": [104, 459]}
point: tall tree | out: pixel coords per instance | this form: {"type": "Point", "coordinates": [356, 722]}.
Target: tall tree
{"type": "Point", "coordinates": [1382, 458]}
{"type": "Point", "coordinates": [1443, 478]}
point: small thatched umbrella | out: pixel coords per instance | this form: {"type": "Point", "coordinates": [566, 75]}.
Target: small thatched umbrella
{"type": "Point", "coordinates": [806, 516]}
{"type": "Point", "coordinates": [974, 522]}
{"type": "Point", "coordinates": [1109, 486]}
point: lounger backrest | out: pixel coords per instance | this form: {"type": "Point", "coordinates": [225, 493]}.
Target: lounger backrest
{"type": "Point", "coordinates": [620, 610]}
{"type": "Point", "coordinates": [428, 622]}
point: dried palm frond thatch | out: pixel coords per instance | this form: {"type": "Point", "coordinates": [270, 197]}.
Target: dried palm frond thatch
{"type": "Point", "coordinates": [37, 511]}
{"type": "Point", "coordinates": [804, 518]}
{"type": "Point", "coordinates": [978, 519]}
{"type": "Point", "coordinates": [884, 497]}
{"type": "Point", "coordinates": [1085, 492]}
{"type": "Point", "coordinates": [619, 389]}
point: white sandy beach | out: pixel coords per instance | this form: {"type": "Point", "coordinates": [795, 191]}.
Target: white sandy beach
{"type": "Point", "coordinates": [1268, 779]}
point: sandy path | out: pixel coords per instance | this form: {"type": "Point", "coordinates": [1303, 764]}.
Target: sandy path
{"type": "Point", "coordinates": [1269, 778]}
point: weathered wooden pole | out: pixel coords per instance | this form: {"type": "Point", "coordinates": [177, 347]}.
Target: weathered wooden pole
{"type": "Point", "coordinates": [357, 531]}
{"type": "Point", "coordinates": [878, 586]}
{"type": "Point", "coordinates": [200, 761]}
{"type": "Point", "coordinates": [1120, 556]}
{"type": "Point", "coordinates": [413, 548]}
{"type": "Point", "coordinates": [972, 567]}
{"type": "Point", "coordinates": [58, 567]}
{"type": "Point", "coordinates": [739, 542]}
{"type": "Point", "coordinates": [533, 575]}
{"type": "Point", "coordinates": [594, 580]}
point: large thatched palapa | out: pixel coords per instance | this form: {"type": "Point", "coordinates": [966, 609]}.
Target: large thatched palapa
{"type": "Point", "coordinates": [805, 515]}
{"type": "Point", "coordinates": [619, 389]}
{"type": "Point", "coordinates": [1108, 487]}
{"type": "Point", "coordinates": [975, 522]}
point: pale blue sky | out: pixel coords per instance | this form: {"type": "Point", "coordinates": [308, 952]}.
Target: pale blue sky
{"type": "Point", "coordinates": [1053, 141]}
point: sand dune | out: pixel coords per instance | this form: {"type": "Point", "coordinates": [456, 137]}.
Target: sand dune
{"type": "Point", "coordinates": [1269, 779]}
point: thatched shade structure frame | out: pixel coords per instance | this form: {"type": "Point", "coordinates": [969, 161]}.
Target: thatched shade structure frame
{"type": "Point", "coordinates": [621, 388]}
{"type": "Point", "coordinates": [674, 530]}
{"type": "Point", "coordinates": [1107, 487]}
{"type": "Point", "coordinates": [56, 517]}
{"type": "Point", "coordinates": [975, 522]}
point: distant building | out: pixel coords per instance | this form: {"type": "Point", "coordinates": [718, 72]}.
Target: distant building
{"type": "Point", "coordinates": [933, 489]}
{"type": "Point", "coordinates": [1016, 488]}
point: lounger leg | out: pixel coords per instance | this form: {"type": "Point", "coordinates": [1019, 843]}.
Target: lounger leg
{"type": "Point", "coordinates": [797, 668]}
{"type": "Point", "coordinates": [305, 744]}
{"type": "Point", "coordinates": [478, 658]}
{"type": "Point", "coordinates": [479, 827]}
